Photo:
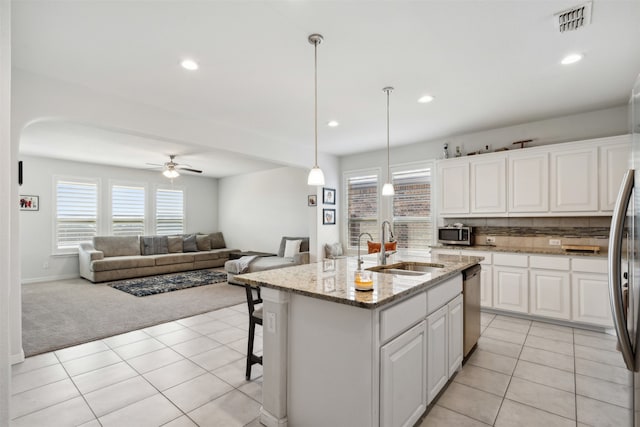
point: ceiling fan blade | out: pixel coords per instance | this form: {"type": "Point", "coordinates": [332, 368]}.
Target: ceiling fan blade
{"type": "Point", "coordinates": [189, 169]}
{"type": "Point", "coordinates": [155, 164]}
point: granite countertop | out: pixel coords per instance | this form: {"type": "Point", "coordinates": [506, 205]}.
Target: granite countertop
{"type": "Point", "coordinates": [525, 250]}
{"type": "Point", "coordinates": [333, 280]}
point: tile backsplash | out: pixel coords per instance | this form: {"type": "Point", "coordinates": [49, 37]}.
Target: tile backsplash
{"type": "Point", "coordinates": [536, 232]}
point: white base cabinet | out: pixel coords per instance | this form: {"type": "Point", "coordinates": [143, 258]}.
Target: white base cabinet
{"type": "Point", "coordinates": [510, 288]}
{"type": "Point", "coordinates": [403, 378]}
{"type": "Point", "coordinates": [591, 299]}
{"type": "Point", "coordinates": [456, 339]}
{"type": "Point", "coordinates": [550, 294]}
{"type": "Point", "coordinates": [438, 359]}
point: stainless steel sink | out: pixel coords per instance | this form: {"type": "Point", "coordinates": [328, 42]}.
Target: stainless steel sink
{"type": "Point", "coordinates": [407, 268]}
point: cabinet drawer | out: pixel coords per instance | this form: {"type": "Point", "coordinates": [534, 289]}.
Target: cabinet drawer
{"type": "Point", "coordinates": [549, 262]}
{"type": "Point", "coordinates": [487, 256]}
{"type": "Point", "coordinates": [510, 260]}
{"type": "Point", "coordinates": [441, 294]}
{"type": "Point", "coordinates": [589, 265]}
{"type": "Point", "coordinates": [398, 318]}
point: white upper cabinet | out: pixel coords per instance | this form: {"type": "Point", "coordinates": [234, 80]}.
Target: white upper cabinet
{"type": "Point", "coordinates": [574, 180]}
{"type": "Point", "coordinates": [614, 162]}
{"type": "Point", "coordinates": [488, 185]}
{"type": "Point", "coordinates": [454, 186]}
{"type": "Point", "coordinates": [529, 182]}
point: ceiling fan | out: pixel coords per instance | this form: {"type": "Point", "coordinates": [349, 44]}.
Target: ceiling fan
{"type": "Point", "coordinates": [171, 168]}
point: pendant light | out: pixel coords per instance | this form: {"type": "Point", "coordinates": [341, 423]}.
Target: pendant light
{"type": "Point", "coordinates": [316, 176]}
{"type": "Point", "coordinates": [387, 188]}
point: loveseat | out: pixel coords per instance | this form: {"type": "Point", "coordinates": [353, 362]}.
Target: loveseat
{"type": "Point", "coordinates": [109, 258]}
{"type": "Point", "coordinates": [287, 256]}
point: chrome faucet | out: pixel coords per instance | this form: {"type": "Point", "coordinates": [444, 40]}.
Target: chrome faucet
{"type": "Point", "coordinates": [383, 253]}
{"type": "Point", "coordinates": [360, 261]}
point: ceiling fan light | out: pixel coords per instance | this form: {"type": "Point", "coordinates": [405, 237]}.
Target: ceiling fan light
{"type": "Point", "coordinates": [387, 189]}
{"type": "Point", "coordinates": [171, 173]}
{"type": "Point", "coordinates": [316, 176]}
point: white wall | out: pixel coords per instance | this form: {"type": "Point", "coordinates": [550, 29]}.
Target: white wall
{"type": "Point", "coordinates": [595, 124]}
{"type": "Point", "coordinates": [8, 257]}
{"type": "Point", "coordinates": [36, 227]}
{"type": "Point", "coordinates": [257, 209]}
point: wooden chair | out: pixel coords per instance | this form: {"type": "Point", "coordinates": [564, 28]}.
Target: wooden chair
{"type": "Point", "coordinates": [255, 318]}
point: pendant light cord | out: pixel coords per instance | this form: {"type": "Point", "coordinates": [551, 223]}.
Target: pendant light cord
{"type": "Point", "coordinates": [388, 149]}
{"type": "Point", "coordinates": [315, 83]}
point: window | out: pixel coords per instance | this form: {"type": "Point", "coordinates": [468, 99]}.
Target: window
{"type": "Point", "coordinates": [76, 212]}
{"type": "Point", "coordinates": [169, 211]}
{"type": "Point", "coordinates": [362, 207]}
{"type": "Point", "coordinates": [412, 220]}
{"type": "Point", "coordinates": [127, 210]}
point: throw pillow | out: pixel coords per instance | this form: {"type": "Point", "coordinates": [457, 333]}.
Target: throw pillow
{"type": "Point", "coordinates": [217, 241]}
{"type": "Point", "coordinates": [374, 248]}
{"type": "Point", "coordinates": [175, 244]}
{"type": "Point", "coordinates": [203, 242]}
{"type": "Point", "coordinates": [304, 246]}
{"type": "Point", "coordinates": [152, 245]}
{"type": "Point", "coordinates": [333, 251]}
{"type": "Point", "coordinates": [189, 243]}
{"type": "Point", "coordinates": [291, 248]}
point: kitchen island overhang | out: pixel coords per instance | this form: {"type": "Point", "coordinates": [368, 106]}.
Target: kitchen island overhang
{"type": "Point", "coordinates": [336, 356]}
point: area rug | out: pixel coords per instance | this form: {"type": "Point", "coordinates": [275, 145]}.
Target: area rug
{"type": "Point", "coordinates": [145, 286]}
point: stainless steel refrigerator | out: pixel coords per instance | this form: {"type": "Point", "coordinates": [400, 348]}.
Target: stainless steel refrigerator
{"type": "Point", "coordinates": [624, 288]}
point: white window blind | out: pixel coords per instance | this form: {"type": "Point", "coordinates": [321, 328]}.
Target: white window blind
{"type": "Point", "coordinates": [412, 219]}
{"type": "Point", "coordinates": [127, 210]}
{"type": "Point", "coordinates": [169, 212]}
{"type": "Point", "coordinates": [362, 207]}
{"type": "Point", "coordinates": [76, 213]}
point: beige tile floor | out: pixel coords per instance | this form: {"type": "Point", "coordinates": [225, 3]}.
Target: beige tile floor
{"type": "Point", "coordinates": [527, 373]}
{"type": "Point", "coordinates": [191, 373]}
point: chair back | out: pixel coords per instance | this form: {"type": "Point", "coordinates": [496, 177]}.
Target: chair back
{"type": "Point", "coordinates": [251, 300]}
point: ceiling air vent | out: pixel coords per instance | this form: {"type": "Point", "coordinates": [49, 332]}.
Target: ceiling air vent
{"type": "Point", "coordinates": [574, 18]}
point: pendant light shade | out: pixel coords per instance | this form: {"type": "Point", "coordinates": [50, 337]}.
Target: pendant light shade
{"type": "Point", "coordinates": [387, 188]}
{"type": "Point", "coordinates": [316, 176]}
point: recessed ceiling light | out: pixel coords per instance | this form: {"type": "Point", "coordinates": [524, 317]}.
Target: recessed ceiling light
{"type": "Point", "coordinates": [425, 99]}
{"type": "Point", "coordinates": [571, 58]}
{"type": "Point", "coordinates": [189, 64]}
{"type": "Point", "coordinates": [332, 123]}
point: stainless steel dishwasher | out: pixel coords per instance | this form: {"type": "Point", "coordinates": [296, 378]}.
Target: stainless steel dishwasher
{"type": "Point", "coordinates": [471, 313]}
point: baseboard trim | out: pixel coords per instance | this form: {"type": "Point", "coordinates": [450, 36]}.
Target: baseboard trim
{"type": "Point", "coordinates": [50, 278]}
{"type": "Point", "coordinates": [17, 358]}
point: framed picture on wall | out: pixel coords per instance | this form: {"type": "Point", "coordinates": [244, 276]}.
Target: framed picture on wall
{"type": "Point", "coordinates": [329, 216]}
{"type": "Point", "coordinates": [29, 203]}
{"type": "Point", "coordinates": [329, 196]}
{"type": "Point", "coordinates": [312, 200]}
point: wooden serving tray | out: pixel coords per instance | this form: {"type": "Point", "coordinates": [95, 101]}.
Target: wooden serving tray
{"type": "Point", "coordinates": [581, 248]}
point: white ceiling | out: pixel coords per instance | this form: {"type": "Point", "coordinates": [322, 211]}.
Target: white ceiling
{"type": "Point", "coordinates": [488, 63]}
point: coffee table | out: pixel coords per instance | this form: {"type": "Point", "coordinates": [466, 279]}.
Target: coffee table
{"type": "Point", "coordinates": [238, 255]}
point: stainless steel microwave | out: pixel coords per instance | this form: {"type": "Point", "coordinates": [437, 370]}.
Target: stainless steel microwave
{"type": "Point", "coordinates": [455, 236]}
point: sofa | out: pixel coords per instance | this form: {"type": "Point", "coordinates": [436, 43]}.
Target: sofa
{"type": "Point", "coordinates": [261, 263]}
{"type": "Point", "coordinates": [109, 258]}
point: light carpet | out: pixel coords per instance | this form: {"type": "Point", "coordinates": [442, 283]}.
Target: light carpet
{"type": "Point", "coordinates": [69, 312]}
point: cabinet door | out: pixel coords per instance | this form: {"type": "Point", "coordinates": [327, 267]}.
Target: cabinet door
{"type": "Point", "coordinates": [455, 334]}
{"type": "Point", "coordinates": [529, 182]}
{"type": "Point", "coordinates": [454, 186]}
{"type": "Point", "coordinates": [488, 186]}
{"type": "Point", "coordinates": [510, 288]}
{"type": "Point", "coordinates": [437, 349]}
{"type": "Point", "coordinates": [574, 180]}
{"type": "Point", "coordinates": [549, 293]}
{"type": "Point", "coordinates": [614, 162]}
{"type": "Point", "coordinates": [590, 299]}
{"type": "Point", "coordinates": [486, 286]}
{"type": "Point", "coordinates": [403, 378]}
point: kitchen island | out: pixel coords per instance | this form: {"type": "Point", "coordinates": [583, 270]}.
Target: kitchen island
{"type": "Point", "coordinates": [336, 356]}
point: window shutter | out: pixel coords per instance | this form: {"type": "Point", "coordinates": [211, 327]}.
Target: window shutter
{"type": "Point", "coordinates": [76, 213]}
{"type": "Point", "coordinates": [412, 220]}
{"type": "Point", "coordinates": [362, 207]}
{"type": "Point", "coordinates": [127, 210]}
{"type": "Point", "coordinates": [169, 212]}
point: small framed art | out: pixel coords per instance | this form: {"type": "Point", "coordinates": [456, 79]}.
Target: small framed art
{"type": "Point", "coordinates": [329, 196]}
{"type": "Point", "coordinates": [312, 200]}
{"type": "Point", "coordinates": [329, 216]}
{"type": "Point", "coordinates": [29, 203]}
